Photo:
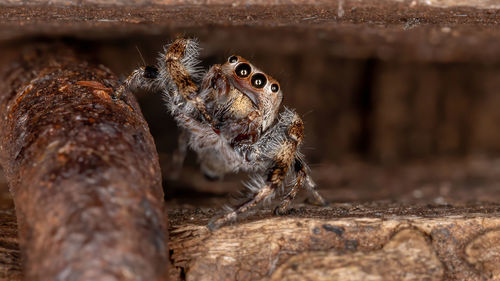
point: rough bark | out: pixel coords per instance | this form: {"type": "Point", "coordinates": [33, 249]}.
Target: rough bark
{"type": "Point", "coordinates": [318, 246]}
{"type": "Point", "coordinates": [83, 172]}
{"type": "Point", "coordinates": [484, 4]}
{"type": "Point", "coordinates": [407, 256]}
{"type": "Point", "coordinates": [358, 242]}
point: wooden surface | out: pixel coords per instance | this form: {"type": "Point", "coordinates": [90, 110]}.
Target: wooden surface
{"type": "Point", "coordinates": [10, 254]}
{"type": "Point", "coordinates": [429, 221]}
{"type": "Point", "coordinates": [320, 246]}
{"type": "Point", "coordinates": [484, 4]}
{"type": "Point", "coordinates": [433, 227]}
{"type": "Point", "coordinates": [369, 28]}
{"type": "Point", "coordinates": [83, 171]}
{"type": "Point", "coordinates": [316, 244]}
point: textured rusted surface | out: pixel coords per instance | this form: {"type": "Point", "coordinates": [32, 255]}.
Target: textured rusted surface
{"type": "Point", "coordinates": [83, 171]}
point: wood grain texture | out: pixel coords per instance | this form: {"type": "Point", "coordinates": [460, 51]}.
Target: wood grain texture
{"type": "Point", "coordinates": [320, 247]}
{"type": "Point", "coordinates": [10, 254]}
{"type": "Point", "coordinates": [407, 256]}
{"type": "Point", "coordinates": [323, 245]}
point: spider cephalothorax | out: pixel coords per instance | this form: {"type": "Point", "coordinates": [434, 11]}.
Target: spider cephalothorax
{"type": "Point", "coordinates": [243, 100]}
{"type": "Point", "coordinates": [229, 117]}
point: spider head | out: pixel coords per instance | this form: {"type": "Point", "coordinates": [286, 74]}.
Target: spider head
{"type": "Point", "coordinates": [262, 90]}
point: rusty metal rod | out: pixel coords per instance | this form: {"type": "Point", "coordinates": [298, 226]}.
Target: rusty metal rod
{"type": "Point", "coordinates": [83, 171]}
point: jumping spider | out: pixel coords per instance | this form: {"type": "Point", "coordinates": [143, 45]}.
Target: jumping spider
{"type": "Point", "coordinates": [229, 117]}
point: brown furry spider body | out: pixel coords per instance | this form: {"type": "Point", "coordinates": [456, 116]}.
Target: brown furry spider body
{"type": "Point", "coordinates": [230, 117]}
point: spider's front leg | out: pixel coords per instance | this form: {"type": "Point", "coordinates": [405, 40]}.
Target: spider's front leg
{"type": "Point", "coordinates": [280, 145]}
{"type": "Point", "coordinates": [176, 76]}
{"type": "Point", "coordinates": [142, 79]}
{"type": "Point", "coordinates": [178, 67]}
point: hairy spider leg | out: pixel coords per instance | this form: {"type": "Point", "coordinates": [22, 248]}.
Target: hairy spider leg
{"type": "Point", "coordinates": [302, 179]}
{"type": "Point", "coordinates": [176, 71]}
{"type": "Point", "coordinates": [175, 76]}
{"type": "Point", "coordinates": [283, 208]}
{"type": "Point", "coordinates": [179, 59]}
{"type": "Point", "coordinates": [143, 78]}
{"type": "Point", "coordinates": [312, 188]}
{"type": "Point", "coordinates": [283, 160]}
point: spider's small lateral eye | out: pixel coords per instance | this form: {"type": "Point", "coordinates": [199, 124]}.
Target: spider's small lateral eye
{"type": "Point", "coordinates": [243, 70]}
{"type": "Point", "coordinates": [233, 59]}
{"type": "Point", "coordinates": [259, 80]}
{"type": "Point", "coordinates": [275, 88]}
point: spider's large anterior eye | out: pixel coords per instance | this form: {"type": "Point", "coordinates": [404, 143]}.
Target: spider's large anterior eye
{"type": "Point", "coordinates": [259, 80]}
{"type": "Point", "coordinates": [275, 88]}
{"type": "Point", "coordinates": [243, 70]}
{"type": "Point", "coordinates": [233, 59]}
